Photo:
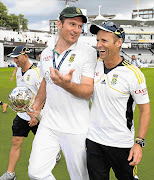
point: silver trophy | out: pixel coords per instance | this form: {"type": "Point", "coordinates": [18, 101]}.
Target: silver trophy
{"type": "Point", "coordinates": [21, 99]}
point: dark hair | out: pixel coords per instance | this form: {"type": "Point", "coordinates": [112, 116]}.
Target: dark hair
{"type": "Point", "coordinates": [62, 19]}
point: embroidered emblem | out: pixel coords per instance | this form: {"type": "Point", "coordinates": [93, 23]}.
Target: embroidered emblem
{"type": "Point", "coordinates": [28, 77]}
{"type": "Point", "coordinates": [114, 79]}
{"type": "Point", "coordinates": [72, 58]}
{"type": "Point", "coordinates": [78, 10]}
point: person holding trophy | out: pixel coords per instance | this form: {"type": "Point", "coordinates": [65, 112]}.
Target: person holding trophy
{"type": "Point", "coordinates": [27, 76]}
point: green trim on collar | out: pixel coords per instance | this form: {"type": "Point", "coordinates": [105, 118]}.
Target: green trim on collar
{"type": "Point", "coordinates": [56, 52]}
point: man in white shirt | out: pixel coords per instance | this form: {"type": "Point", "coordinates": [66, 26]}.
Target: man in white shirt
{"type": "Point", "coordinates": [27, 75]}
{"type": "Point", "coordinates": [135, 62]}
{"type": "Point", "coordinates": [67, 67]}
{"type": "Point", "coordinates": [118, 86]}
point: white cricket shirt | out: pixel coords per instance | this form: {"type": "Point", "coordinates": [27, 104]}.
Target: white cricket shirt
{"type": "Point", "coordinates": [116, 91]}
{"type": "Point", "coordinates": [30, 79]}
{"type": "Point", "coordinates": [63, 111]}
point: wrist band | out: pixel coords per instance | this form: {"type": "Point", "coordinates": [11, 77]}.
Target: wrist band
{"type": "Point", "coordinates": [140, 137]}
{"type": "Point", "coordinates": [140, 141]}
{"type": "Point", "coordinates": [38, 117]}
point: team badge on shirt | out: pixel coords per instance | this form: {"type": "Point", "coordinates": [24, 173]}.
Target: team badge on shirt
{"type": "Point", "coordinates": [28, 77]}
{"type": "Point", "coordinates": [72, 58]}
{"type": "Point", "coordinates": [114, 79]}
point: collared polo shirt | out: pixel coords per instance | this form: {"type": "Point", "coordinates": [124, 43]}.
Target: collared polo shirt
{"type": "Point", "coordinates": [63, 111]}
{"type": "Point", "coordinates": [30, 79]}
{"type": "Point", "coordinates": [116, 91]}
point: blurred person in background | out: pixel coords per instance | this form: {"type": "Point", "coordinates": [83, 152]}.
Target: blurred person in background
{"type": "Point", "coordinates": [4, 106]}
{"type": "Point", "coordinates": [135, 62]}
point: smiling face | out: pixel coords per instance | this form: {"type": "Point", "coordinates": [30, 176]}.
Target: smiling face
{"type": "Point", "coordinates": [70, 29]}
{"type": "Point", "coordinates": [108, 44]}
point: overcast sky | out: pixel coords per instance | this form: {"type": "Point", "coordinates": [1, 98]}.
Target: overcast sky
{"type": "Point", "coordinates": [39, 12]}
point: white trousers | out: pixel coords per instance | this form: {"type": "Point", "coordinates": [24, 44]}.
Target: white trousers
{"type": "Point", "coordinates": [46, 146]}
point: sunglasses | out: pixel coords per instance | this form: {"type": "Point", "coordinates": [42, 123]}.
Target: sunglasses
{"type": "Point", "coordinates": [25, 50]}
{"type": "Point", "coordinates": [114, 28]}
{"type": "Point", "coordinates": [110, 25]}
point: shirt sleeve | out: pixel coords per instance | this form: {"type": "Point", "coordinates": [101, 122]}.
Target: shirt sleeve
{"type": "Point", "coordinates": [38, 81]}
{"type": "Point", "coordinates": [139, 88]}
{"type": "Point", "coordinates": [90, 63]}
{"type": "Point", "coordinates": [41, 70]}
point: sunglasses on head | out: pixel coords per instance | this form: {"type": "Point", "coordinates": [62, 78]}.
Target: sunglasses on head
{"type": "Point", "coordinates": [114, 28]}
{"type": "Point", "coordinates": [25, 50]}
{"type": "Point", "coordinates": [110, 25]}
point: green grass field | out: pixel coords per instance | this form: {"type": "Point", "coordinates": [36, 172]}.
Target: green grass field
{"type": "Point", "coordinates": [145, 168]}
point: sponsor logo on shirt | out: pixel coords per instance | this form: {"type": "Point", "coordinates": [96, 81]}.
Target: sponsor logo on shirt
{"type": "Point", "coordinates": [96, 74]}
{"type": "Point", "coordinates": [47, 58]}
{"type": "Point", "coordinates": [141, 91]}
{"type": "Point", "coordinates": [114, 79]}
{"type": "Point", "coordinates": [103, 82]}
{"type": "Point", "coordinates": [38, 83]}
{"type": "Point", "coordinates": [18, 76]}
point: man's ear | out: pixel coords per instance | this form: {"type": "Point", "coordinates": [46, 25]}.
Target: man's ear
{"type": "Point", "coordinates": [119, 42]}
{"type": "Point", "coordinates": [59, 24]}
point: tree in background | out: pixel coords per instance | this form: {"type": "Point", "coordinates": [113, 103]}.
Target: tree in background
{"type": "Point", "coordinates": [3, 14]}
{"type": "Point", "coordinates": [16, 22]}
{"type": "Point", "coordinates": [22, 22]}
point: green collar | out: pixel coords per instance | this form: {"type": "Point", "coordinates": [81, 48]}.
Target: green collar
{"type": "Point", "coordinates": [56, 52]}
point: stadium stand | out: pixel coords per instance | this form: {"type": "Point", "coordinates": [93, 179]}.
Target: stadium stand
{"type": "Point", "coordinates": [139, 41]}
{"type": "Point", "coordinates": [24, 36]}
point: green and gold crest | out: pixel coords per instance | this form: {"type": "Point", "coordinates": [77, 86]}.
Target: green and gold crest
{"type": "Point", "coordinates": [28, 77]}
{"type": "Point", "coordinates": [78, 11]}
{"type": "Point", "coordinates": [114, 79]}
{"type": "Point", "coordinates": [72, 57]}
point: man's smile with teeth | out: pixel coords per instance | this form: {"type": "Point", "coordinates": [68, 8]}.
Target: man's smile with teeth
{"type": "Point", "coordinates": [73, 35]}
{"type": "Point", "coordinates": [102, 50]}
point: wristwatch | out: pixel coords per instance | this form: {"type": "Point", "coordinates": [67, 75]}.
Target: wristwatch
{"type": "Point", "coordinates": [140, 141]}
